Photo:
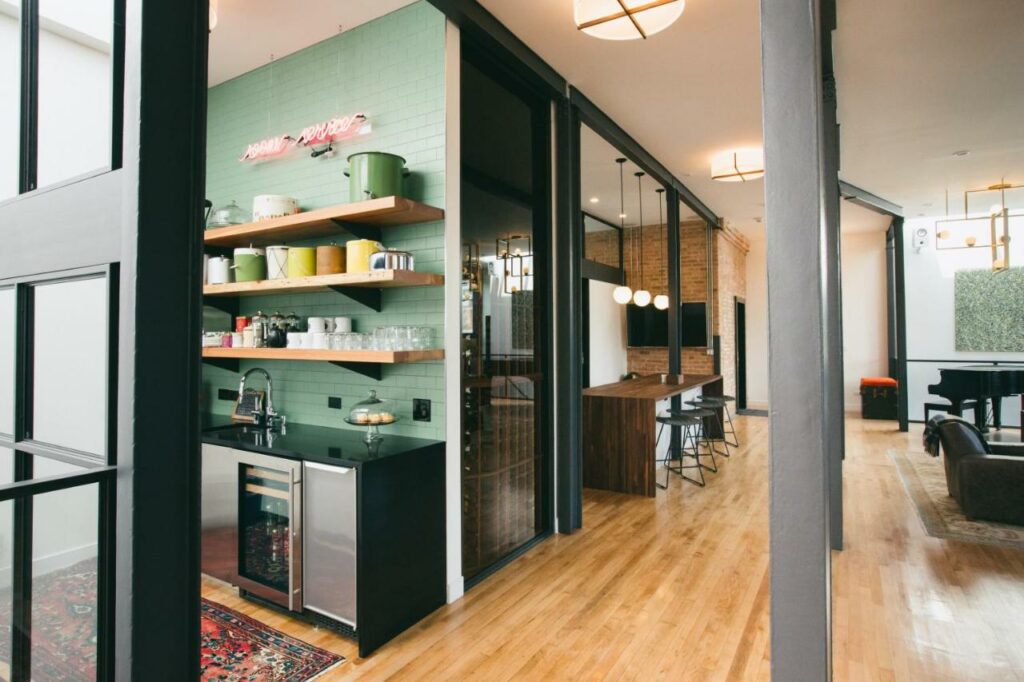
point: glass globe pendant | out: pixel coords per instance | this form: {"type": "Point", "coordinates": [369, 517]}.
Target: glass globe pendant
{"type": "Point", "coordinates": [641, 298]}
{"type": "Point", "coordinates": [622, 295]}
{"type": "Point", "coordinates": [661, 302]}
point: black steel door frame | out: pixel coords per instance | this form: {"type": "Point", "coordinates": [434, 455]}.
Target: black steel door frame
{"type": "Point", "coordinates": [740, 342]}
{"type": "Point", "coordinates": [511, 74]}
{"type": "Point", "coordinates": [138, 224]}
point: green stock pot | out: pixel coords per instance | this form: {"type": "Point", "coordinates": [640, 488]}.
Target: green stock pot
{"type": "Point", "coordinates": [375, 174]}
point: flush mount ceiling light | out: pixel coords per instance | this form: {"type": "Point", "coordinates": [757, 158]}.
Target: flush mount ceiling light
{"type": "Point", "coordinates": [738, 165]}
{"type": "Point", "coordinates": [626, 19]}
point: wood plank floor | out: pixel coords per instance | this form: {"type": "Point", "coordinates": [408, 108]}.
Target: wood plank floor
{"type": "Point", "coordinates": [676, 588]}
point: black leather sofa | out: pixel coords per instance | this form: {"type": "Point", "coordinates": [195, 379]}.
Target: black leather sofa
{"type": "Point", "coordinates": [986, 479]}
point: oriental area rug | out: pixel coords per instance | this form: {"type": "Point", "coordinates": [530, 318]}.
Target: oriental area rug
{"type": "Point", "coordinates": [235, 648]}
{"type": "Point", "coordinates": [925, 481]}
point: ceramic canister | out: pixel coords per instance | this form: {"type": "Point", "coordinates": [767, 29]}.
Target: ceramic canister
{"type": "Point", "coordinates": [250, 265]}
{"type": "Point", "coordinates": [219, 270]}
{"type": "Point", "coordinates": [330, 260]}
{"type": "Point", "coordinates": [267, 206]}
{"type": "Point", "coordinates": [301, 261]}
{"type": "Point", "coordinates": [317, 325]}
{"type": "Point", "coordinates": [277, 262]}
{"type": "Point", "coordinates": [358, 253]}
{"type": "Point", "coordinates": [342, 324]}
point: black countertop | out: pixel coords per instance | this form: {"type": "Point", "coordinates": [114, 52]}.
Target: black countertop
{"type": "Point", "coordinates": [342, 447]}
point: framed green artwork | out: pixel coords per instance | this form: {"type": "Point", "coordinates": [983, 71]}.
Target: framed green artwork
{"type": "Point", "coordinates": [989, 310]}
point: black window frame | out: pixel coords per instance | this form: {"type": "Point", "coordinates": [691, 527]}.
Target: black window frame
{"type": "Point", "coordinates": [97, 470]}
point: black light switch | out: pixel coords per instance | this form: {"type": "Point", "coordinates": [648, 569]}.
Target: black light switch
{"type": "Point", "coordinates": [333, 402]}
{"type": "Point", "coordinates": [420, 409]}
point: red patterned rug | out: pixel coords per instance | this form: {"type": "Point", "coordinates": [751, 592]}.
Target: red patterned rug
{"type": "Point", "coordinates": [235, 648]}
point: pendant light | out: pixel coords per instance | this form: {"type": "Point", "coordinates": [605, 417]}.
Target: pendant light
{"type": "Point", "coordinates": [626, 19]}
{"type": "Point", "coordinates": [641, 297]}
{"type": "Point", "coordinates": [661, 300]}
{"type": "Point", "coordinates": [622, 294]}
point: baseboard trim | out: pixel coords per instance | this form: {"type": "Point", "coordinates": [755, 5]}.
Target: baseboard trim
{"type": "Point", "coordinates": [456, 589]}
{"type": "Point", "coordinates": [52, 562]}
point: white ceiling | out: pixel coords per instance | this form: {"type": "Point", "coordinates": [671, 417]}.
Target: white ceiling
{"type": "Point", "coordinates": [684, 94]}
{"type": "Point", "coordinates": [920, 79]}
{"type": "Point", "coordinates": [251, 33]}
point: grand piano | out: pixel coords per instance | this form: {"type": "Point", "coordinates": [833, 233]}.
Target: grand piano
{"type": "Point", "coordinates": [981, 383]}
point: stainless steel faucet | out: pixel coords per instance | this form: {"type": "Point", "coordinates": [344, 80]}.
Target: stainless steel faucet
{"type": "Point", "coordinates": [265, 414]}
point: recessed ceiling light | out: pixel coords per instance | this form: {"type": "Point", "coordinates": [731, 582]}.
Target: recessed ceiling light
{"type": "Point", "coordinates": [622, 215]}
{"type": "Point", "coordinates": [960, 153]}
{"type": "Point", "coordinates": [594, 200]}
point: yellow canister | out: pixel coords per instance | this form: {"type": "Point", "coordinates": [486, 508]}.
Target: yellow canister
{"type": "Point", "coordinates": [358, 252]}
{"type": "Point", "coordinates": [301, 261]}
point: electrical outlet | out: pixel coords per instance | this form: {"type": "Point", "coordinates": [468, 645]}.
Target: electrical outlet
{"type": "Point", "coordinates": [420, 409]}
{"type": "Point", "coordinates": [333, 402]}
{"type": "Point", "coordinates": [227, 394]}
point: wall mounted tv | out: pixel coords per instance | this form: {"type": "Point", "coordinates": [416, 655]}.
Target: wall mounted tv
{"type": "Point", "coordinates": [648, 326]}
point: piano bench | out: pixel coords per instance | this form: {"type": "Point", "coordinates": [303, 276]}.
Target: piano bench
{"type": "Point", "coordinates": [947, 408]}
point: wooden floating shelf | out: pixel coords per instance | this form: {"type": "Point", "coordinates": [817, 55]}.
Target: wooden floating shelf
{"type": "Point", "coordinates": [362, 219]}
{"type": "Point", "coordinates": [376, 279]}
{"type": "Point", "coordinates": [384, 357]}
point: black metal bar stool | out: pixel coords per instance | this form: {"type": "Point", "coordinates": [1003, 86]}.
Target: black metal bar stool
{"type": "Point", "coordinates": [714, 404]}
{"type": "Point", "coordinates": [691, 424]}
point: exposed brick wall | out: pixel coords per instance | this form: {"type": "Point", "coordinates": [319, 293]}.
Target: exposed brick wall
{"type": "Point", "coordinates": [729, 254]}
{"type": "Point", "coordinates": [731, 249]}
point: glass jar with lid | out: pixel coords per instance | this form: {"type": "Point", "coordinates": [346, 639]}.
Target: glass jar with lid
{"type": "Point", "coordinates": [231, 214]}
{"type": "Point", "coordinates": [372, 413]}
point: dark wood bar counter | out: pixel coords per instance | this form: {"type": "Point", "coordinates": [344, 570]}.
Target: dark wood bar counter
{"type": "Point", "coordinates": [619, 430]}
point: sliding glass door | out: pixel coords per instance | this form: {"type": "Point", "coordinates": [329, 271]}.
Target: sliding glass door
{"type": "Point", "coordinates": [506, 479]}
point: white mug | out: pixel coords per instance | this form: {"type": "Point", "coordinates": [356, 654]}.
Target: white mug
{"type": "Point", "coordinates": [342, 324]}
{"type": "Point", "coordinates": [320, 340]}
{"type": "Point", "coordinates": [295, 339]}
{"type": "Point", "coordinates": [317, 325]}
{"type": "Point", "coordinates": [307, 339]}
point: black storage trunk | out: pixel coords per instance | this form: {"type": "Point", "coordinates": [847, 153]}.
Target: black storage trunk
{"type": "Point", "coordinates": [878, 402]}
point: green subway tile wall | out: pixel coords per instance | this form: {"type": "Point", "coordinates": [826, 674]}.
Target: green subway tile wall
{"type": "Point", "coordinates": [391, 69]}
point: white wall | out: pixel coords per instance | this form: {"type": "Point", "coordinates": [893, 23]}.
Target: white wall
{"type": "Point", "coordinates": [757, 323]}
{"type": "Point", "coordinates": [865, 347]}
{"type": "Point", "coordinates": [864, 315]}
{"type": "Point", "coordinates": [930, 315]}
{"type": "Point", "coordinates": [607, 352]}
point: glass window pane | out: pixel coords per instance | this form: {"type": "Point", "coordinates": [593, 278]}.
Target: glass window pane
{"type": "Point", "coordinates": [600, 241]}
{"type": "Point", "coordinates": [75, 69]}
{"type": "Point", "coordinates": [70, 364]}
{"type": "Point", "coordinates": [10, 97]}
{"type": "Point", "coordinates": [65, 551]}
{"type": "Point", "coordinates": [7, 329]}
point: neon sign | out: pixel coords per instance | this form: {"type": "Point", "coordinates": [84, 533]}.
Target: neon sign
{"type": "Point", "coordinates": [338, 128]}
